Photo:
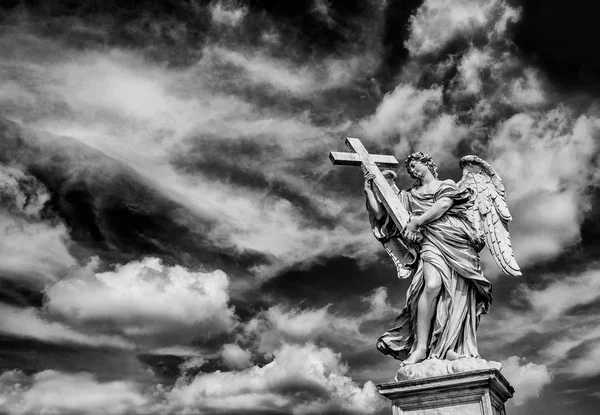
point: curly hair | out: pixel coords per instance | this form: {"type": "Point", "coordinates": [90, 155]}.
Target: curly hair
{"type": "Point", "coordinates": [423, 158]}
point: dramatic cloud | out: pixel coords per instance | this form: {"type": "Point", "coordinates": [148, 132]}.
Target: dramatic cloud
{"type": "Point", "coordinates": [405, 111]}
{"type": "Point", "coordinates": [55, 392]}
{"type": "Point", "coordinates": [30, 247]}
{"type": "Point", "coordinates": [235, 357]}
{"type": "Point", "coordinates": [29, 323]}
{"type": "Point", "coordinates": [280, 324]}
{"type": "Point", "coordinates": [564, 294]}
{"type": "Point", "coordinates": [286, 76]}
{"type": "Point", "coordinates": [573, 338]}
{"type": "Point", "coordinates": [179, 127]}
{"type": "Point", "coordinates": [22, 193]}
{"type": "Point", "coordinates": [228, 125]}
{"type": "Point", "coordinates": [528, 380]}
{"type": "Point", "coordinates": [146, 301]}
{"type": "Point", "coordinates": [577, 336]}
{"type": "Point", "coordinates": [486, 100]}
{"type": "Point", "coordinates": [321, 9]}
{"type": "Point", "coordinates": [581, 366]}
{"type": "Point", "coordinates": [33, 250]}
{"type": "Point", "coordinates": [316, 371]}
{"type": "Point", "coordinates": [438, 22]}
{"type": "Point", "coordinates": [415, 118]}
{"type": "Point", "coordinates": [227, 13]}
{"type": "Point", "coordinates": [555, 153]}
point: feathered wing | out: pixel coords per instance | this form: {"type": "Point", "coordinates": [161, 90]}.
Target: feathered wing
{"type": "Point", "coordinates": [490, 213]}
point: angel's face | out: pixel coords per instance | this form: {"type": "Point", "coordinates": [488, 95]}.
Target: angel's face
{"type": "Point", "coordinates": [417, 169]}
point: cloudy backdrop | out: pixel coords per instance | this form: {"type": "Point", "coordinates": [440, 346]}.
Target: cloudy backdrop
{"type": "Point", "coordinates": [174, 238]}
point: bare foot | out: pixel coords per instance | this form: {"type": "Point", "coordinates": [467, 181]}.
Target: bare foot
{"type": "Point", "coordinates": [452, 355]}
{"type": "Point", "coordinates": [415, 357]}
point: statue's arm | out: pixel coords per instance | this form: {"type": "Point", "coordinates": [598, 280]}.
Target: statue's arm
{"type": "Point", "coordinates": [435, 211]}
{"type": "Point", "coordinates": [375, 206]}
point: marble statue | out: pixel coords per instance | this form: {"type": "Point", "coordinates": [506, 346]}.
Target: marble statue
{"type": "Point", "coordinates": [433, 233]}
{"type": "Point", "coordinates": [438, 249]}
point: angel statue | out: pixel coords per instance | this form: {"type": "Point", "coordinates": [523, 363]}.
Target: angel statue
{"type": "Point", "coordinates": [449, 224]}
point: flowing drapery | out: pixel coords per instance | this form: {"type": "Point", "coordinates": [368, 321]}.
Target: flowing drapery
{"type": "Point", "coordinates": [450, 244]}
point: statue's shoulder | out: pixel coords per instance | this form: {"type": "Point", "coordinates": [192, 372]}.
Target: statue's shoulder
{"type": "Point", "coordinates": [448, 183]}
{"type": "Point", "coordinates": [410, 190]}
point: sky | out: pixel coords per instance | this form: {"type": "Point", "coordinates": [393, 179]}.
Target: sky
{"type": "Point", "coordinates": [176, 240]}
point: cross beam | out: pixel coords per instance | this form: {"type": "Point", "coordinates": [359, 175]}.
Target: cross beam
{"type": "Point", "coordinates": [369, 164]}
{"type": "Point", "coordinates": [353, 159]}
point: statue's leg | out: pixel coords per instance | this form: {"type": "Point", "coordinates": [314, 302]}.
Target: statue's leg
{"type": "Point", "coordinates": [425, 312]}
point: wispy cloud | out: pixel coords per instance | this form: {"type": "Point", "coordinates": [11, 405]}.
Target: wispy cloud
{"type": "Point", "coordinates": [573, 338]}
{"type": "Point", "coordinates": [280, 324]}
{"type": "Point", "coordinates": [29, 323]}
{"type": "Point", "coordinates": [149, 117]}
{"type": "Point", "coordinates": [227, 12]}
{"type": "Point", "coordinates": [438, 22]}
{"type": "Point", "coordinates": [285, 76]}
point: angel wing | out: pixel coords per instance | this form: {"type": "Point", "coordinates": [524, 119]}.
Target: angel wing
{"type": "Point", "coordinates": [490, 213]}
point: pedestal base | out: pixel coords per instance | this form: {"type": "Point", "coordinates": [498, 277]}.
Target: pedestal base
{"type": "Point", "coordinates": [481, 392]}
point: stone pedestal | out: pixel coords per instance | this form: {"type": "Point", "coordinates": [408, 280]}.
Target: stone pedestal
{"type": "Point", "coordinates": [480, 392]}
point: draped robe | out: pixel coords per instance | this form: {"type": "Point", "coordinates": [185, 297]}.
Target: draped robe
{"type": "Point", "coordinates": [451, 245]}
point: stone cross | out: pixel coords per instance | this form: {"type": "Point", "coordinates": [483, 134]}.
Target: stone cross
{"type": "Point", "coordinates": [370, 163]}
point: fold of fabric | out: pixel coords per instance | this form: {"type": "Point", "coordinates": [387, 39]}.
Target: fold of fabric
{"type": "Point", "coordinates": [450, 245]}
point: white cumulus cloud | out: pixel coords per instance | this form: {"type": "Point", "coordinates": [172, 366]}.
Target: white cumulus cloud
{"type": "Point", "coordinates": [546, 162]}
{"type": "Point", "coordinates": [52, 392]}
{"type": "Point", "coordinates": [235, 357]}
{"type": "Point", "coordinates": [527, 379]}
{"type": "Point", "coordinates": [318, 372]}
{"type": "Point", "coordinates": [145, 300]}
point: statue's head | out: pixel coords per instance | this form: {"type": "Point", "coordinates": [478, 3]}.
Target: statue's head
{"type": "Point", "coordinates": [421, 158]}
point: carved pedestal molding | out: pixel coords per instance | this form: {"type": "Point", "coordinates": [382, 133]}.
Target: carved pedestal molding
{"type": "Point", "coordinates": [480, 392]}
